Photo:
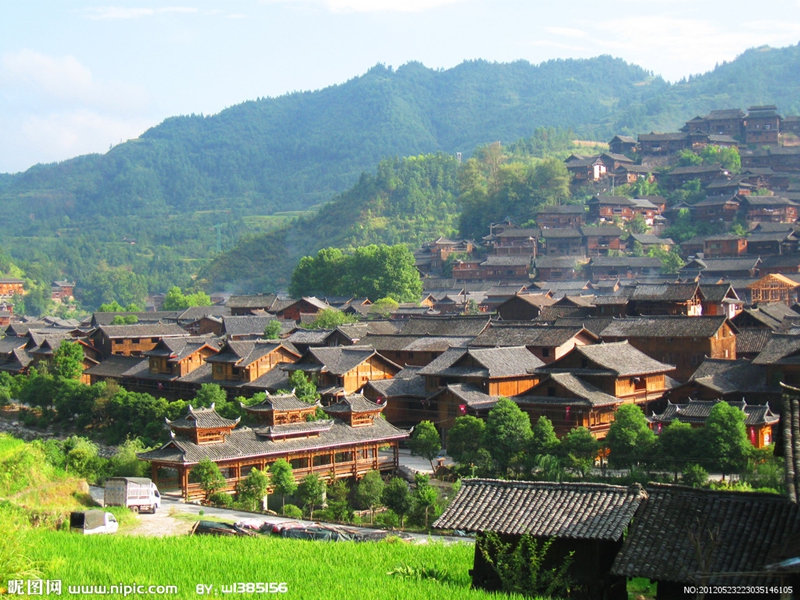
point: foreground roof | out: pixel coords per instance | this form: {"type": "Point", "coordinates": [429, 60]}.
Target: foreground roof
{"type": "Point", "coordinates": [736, 532]}
{"type": "Point", "coordinates": [543, 509]}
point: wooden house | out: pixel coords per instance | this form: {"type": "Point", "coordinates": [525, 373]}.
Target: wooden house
{"type": "Point", "coordinates": [561, 216]}
{"type": "Point", "coordinates": [330, 448]}
{"type": "Point", "coordinates": [506, 371]}
{"type": "Point", "coordinates": [602, 268]}
{"type": "Point", "coordinates": [667, 299]}
{"type": "Point", "coordinates": [133, 340]}
{"type": "Point", "coordinates": [250, 327]}
{"type": "Point", "coordinates": [240, 362]}
{"type": "Point", "coordinates": [630, 173]}
{"type": "Point", "coordinates": [281, 409]}
{"type": "Point", "coordinates": [714, 269]}
{"type": "Point", "coordinates": [601, 241]}
{"type": "Point", "coordinates": [714, 209]}
{"type": "Point", "coordinates": [589, 525]}
{"type": "Point", "coordinates": [663, 144]}
{"type": "Point", "coordinates": [768, 209]}
{"type": "Point", "coordinates": [681, 341]}
{"type": "Point", "coordinates": [788, 264]}
{"type": "Point", "coordinates": [404, 396]}
{"type": "Point", "coordinates": [759, 419]}
{"type": "Point", "coordinates": [517, 241]}
{"type": "Point", "coordinates": [548, 268]}
{"type": "Point", "coordinates": [247, 305]}
{"type": "Point", "coordinates": [720, 299]}
{"type": "Point", "coordinates": [730, 380]}
{"type": "Point", "coordinates": [648, 241]}
{"type": "Point", "coordinates": [781, 358]}
{"type": "Point", "coordinates": [724, 245]}
{"type": "Point", "coordinates": [417, 350]}
{"type": "Point", "coordinates": [585, 169]}
{"type": "Point", "coordinates": [684, 537]}
{"type": "Point", "coordinates": [304, 306]}
{"type": "Point", "coordinates": [617, 369]}
{"type": "Point", "coordinates": [604, 208]}
{"type": "Point", "coordinates": [524, 307]}
{"type": "Point", "coordinates": [547, 343]}
{"type": "Point", "coordinates": [762, 125]}
{"type": "Point", "coordinates": [340, 371]}
{"type": "Point", "coordinates": [505, 268]}
{"type": "Point", "coordinates": [570, 402]}
{"type": "Point", "coordinates": [456, 400]}
{"type": "Point", "coordinates": [774, 288]}
{"type": "Point", "coordinates": [623, 144]}
{"type": "Point", "coordinates": [10, 287]}
{"type": "Point", "coordinates": [563, 242]}
{"type": "Point", "coordinates": [776, 243]}
{"type": "Point", "coordinates": [704, 173]}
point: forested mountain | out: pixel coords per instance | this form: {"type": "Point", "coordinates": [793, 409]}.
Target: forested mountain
{"type": "Point", "coordinates": [163, 204]}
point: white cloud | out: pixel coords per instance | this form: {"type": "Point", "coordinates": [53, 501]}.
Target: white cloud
{"type": "Point", "coordinates": [566, 31]}
{"type": "Point", "coordinates": [64, 79]}
{"type": "Point", "coordinates": [63, 135]}
{"type": "Point", "coordinates": [552, 44]}
{"type": "Point", "coordinates": [106, 13]}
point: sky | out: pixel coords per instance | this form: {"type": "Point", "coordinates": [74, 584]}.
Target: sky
{"type": "Point", "coordinates": [79, 77]}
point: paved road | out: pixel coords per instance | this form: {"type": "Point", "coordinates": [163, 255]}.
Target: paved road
{"type": "Point", "coordinates": [173, 502]}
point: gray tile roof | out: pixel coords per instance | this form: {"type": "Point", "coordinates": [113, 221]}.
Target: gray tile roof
{"type": "Point", "coordinates": [114, 366]}
{"type": "Point", "coordinates": [731, 376]}
{"type": "Point", "coordinates": [253, 301]}
{"type": "Point", "coordinates": [666, 327]}
{"type": "Point", "coordinates": [201, 418]}
{"type": "Point", "coordinates": [245, 353]}
{"type": "Point", "coordinates": [471, 395]}
{"type": "Point", "coordinates": [543, 509]}
{"type": "Point", "coordinates": [779, 348]}
{"type": "Point", "coordinates": [619, 357]}
{"type": "Point", "coordinates": [751, 340]}
{"type": "Point", "coordinates": [632, 262]}
{"type": "Point", "coordinates": [668, 292]}
{"type": "Point", "coordinates": [407, 383]}
{"type": "Point", "coordinates": [746, 527]}
{"type": "Point", "coordinates": [697, 411]}
{"type": "Point", "coordinates": [446, 326]}
{"type": "Point", "coordinates": [249, 325]}
{"type": "Point", "coordinates": [601, 231]}
{"type": "Point", "coordinates": [585, 393]}
{"type": "Point", "coordinates": [491, 362]}
{"type": "Point", "coordinates": [353, 403]}
{"type": "Point", "coordinates": [278, 402]}
{"type": "Point", "coordinates": [144, 330]}
{"type": "Point", "coordinates": [245, 442]}
{"type": "Point", "coordinates": [525, 334]}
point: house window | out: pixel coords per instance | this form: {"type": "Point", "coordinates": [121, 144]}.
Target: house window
{"type": "Point", "coordinates": [135, 341]}
{"type": "Point", "coordinates": [551, 391]}
{"type": "Point", "coordinates": [545, 352]}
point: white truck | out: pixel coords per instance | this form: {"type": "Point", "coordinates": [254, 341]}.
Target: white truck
{"type": "Point", "coordinates": [89, 522]}
{"type": "Point", "coordinates": [139, 494]}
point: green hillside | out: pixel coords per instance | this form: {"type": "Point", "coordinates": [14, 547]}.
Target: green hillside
{"type": "Point", "coordinates": [164, 204]}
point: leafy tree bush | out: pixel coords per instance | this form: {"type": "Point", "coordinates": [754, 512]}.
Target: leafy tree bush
{"type": "Point", "coordinates": [398, 498]}
{"type": "Point", "coordinates": [426, 499]}
{"type": "Point", "coordinates": [281, 477]}
{"type": "Point", "coordinates": [695, 476]}
{"type": "Point", "coordinates": [291, 511]}
{"type": "Point", "coordinates": [220, 499]}
{"type": "Point", "coordinates": [209, 476]}
{"type": "Point", "coordinates": [338, 503]}
{"type": "Point", "coordinates": [508, 433]}
{"type": "Point", "coordinates": [425, 441]}
{"type": "Point", "coordinates": [677, 446]}
{"type": "Point", "coordinates": [464, 439]}
{"type": "Point", "coordinates": [724, 439]}
{"type": "Point", "coordinates": [252, 489]}
{"type": "Point", "coordinates": [578, 451]}
{"type": "Point", "coordinates": [273, 330]}
{"type": "Point", "coordinates": [369, 492]}
{"type": "Point", "coordinates": [630, 440]}
{"type": "Point", "coordinates": [311, 492]}
{"type": "Point", "coordinates": [68, 360]}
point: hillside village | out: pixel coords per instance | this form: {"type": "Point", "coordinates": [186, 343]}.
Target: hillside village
{"type": "Point", "coordinates": [571, 318]}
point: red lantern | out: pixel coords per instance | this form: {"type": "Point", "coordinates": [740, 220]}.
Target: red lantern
{"type": "Point", "coordinates": [462, 408]}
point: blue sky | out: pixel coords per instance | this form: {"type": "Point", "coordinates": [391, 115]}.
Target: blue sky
{"type": "Point", "coordinates": [77, 77]}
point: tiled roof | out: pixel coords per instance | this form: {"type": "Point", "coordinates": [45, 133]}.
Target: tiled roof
{"type": "Point", "coordinates": [589, 394]}
{"type": "Point", "coordinates": [601, 231]}
{"type": "Point", "coordinates": [245, 442]}
{"type": "Point", "coordinates": [667, 327]}
{"type": "Point", "coordinates": [493, 362]}
{"type": "Point", "coordinates": [254, 301]}
{"type": "Point", "coordinates": [551, 234]}
{"type": "Point", "coordinates": [338, 360]}
{"type": "Point", "coordinates": [731, 376]}
{"type": "Point", "coordinates": [717, 292]}
{"type": "Point", "coordinates": [244, 353]}
{"type": "Point", "coordinates": [697, 411]}
{"type": "Point", "coordinates": [114, 366]}
{"type": "Point", "coordinates": [446, 326]}
{"type": "Point", "coordinates": [471, 395]}
{"type": "Point", "coordinates": [552, 313]}
{"type": "Point", "coordinates": [201, 418]}
{"type": "Point", "coordinates": [751, 340]}
{"type": "Point", "coordinates": [353, 403]}
{"type": "Point", "coordinates": [194, 313]}
{"type": "Point", "coordinates": [143, 330]}
{"type": "Point", "coordinates": [524, 334]}
{"type": "Point", "coordinates": [648, 239]}
{"type": "Point", "coordinates": [406, 383]}
{"type": "Point", "coordinates": [565, 209]}
{"type": "Point", "coordinates": [674, 292]}
{"type": "Point", "coordinates": [613, 200]}
{"type": "Point", "coordinates": [246, 325]}
{"type": "Point", "coordinates": [543, 509]}
{"type": "Point", "coordinates": [779, 348]}
{"type": "Point", "coordinates": [735, 532]}
{"type": "Point", "coordinates": [620, 358]}
{"type": "Point", "coordinates": [506, 261]}
{"type": "Point", "coordinates": [279, 402]}
{"type": "Point", "coordinates": [631, 262]}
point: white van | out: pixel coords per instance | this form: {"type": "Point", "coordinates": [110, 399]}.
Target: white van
{"type": "Point", "coordinates": [139, 494]}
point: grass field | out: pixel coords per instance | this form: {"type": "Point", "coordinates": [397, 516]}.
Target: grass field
{"type": "Point", "coordinates": [311, 570]}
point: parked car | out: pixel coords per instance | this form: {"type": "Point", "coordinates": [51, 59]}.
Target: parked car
{"type": "Point", "coordinates": [89, 522]}
{"type": "Point", "coordinates": [139, 494]}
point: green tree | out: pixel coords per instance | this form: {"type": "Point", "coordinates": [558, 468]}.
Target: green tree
{"type": "Point", "coordinates": [331, 318]}
{"type": "Point", "coordinates": [68, 360]}
{"type": "Point", "coordinates": [175, 299]}
{"type": "Point", "coordinates": [508, 433]}
{"type": "Point", "coordinates": [464, 439]}
{"type": "Point", "coordinates": [426, 497]}
{"type": "Point", "coordinates": [694, 476]}
{"type": "Point", "coordinates": [383, 307]}
{"type": "Point", "coordinates": [208, 475]}
{"type": "Point", "coordinates": [125, 462]}
{"type": "Point", "coordinates": [311, 492]}
{"type": "Point", "coordinates": [338, 504]}
{"type": "Point", "coordinates": [425, 441]}
{"type": "Point", "coordinates": [273, 330]}
{"type": "Point", "coordinates": [304, 388]}
{"type": "Point", "coordinates": [252, 489]}
{"type": "Point", "coordinates": [671, 261]}
{"type": "Point", "coordinates": [725, 440]}
{"type": "Point", "coordinates": [369, 492]}
{"type": "Point", "coordinates": [397, 497]}
{"type": "Point", "coordinates": [677, 446]}
{"type": "Point", "coordinates": [630, 441]}
{"type": "Point", "coordinates": [281, 477]}
{"type": "Point", "coordinates": [543, 438]}
{"type": "Point", "coordinates": [579, 449]}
